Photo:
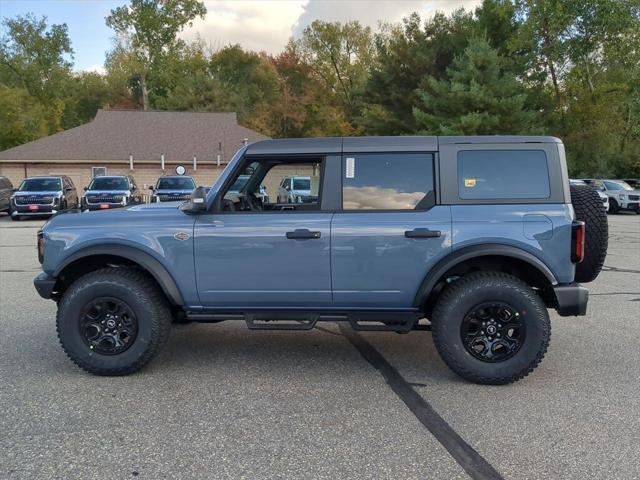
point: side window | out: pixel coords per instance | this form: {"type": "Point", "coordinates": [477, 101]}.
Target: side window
{"type": "Point", "coordinates": [388, 181]}
{"type": "Point", "coordinates": [260, 186]}
{"type": "Point", "coordinates": [506, 174]}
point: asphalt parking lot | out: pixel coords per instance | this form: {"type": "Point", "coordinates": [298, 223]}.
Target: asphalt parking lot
{"type": "Point", "coordinates": [224, 402]}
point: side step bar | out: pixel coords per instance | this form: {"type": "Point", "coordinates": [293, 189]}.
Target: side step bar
{"type": "Point", "coordinates": [304, 320]}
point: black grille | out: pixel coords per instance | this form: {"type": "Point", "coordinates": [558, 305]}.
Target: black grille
{"type": "Point", "coordinates": [104, 198]}
{"type": "Point", "coordinates": [634, 197]}
{"type": "Point", "coordinates": [34, 200]}
{"type": "Point", "coordinates": [173, 198]}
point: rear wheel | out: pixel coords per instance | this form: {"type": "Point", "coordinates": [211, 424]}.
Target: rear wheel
{"type": "Point", "coordinates": [113, 321]}
{"type": "Point", "coordinates": [589, 209]}
{"type": "Point", "coordinates": [491, 328]}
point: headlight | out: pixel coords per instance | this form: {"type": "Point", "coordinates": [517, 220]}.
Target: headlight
{"type": "Point", "coordinates": [154, 199]}
{"type": "Point", "coordinates": [125, 200]}
{"type": "Point", "coordinates": [56, 200]}
{"type": "Point", "coordinates": [623, 196]}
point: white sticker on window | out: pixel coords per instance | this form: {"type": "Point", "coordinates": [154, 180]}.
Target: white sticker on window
{"type": "Point", "coordinates": [351, 167]}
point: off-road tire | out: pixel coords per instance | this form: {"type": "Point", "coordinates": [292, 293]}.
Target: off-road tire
{"type": "Point", "coordinates": [474, 289]}
{"type": "Point", "coordinates": [589, 209]}
{"type": "Point", "coordinates": [145, 299]}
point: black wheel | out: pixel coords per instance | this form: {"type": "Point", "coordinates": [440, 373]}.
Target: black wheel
{"type": "Point", "coordinates": [15, 218]}
{"type": "Point", "coordinates": [589, 209]}
{"type": "Point", "coordinates": [613, 206]}
{"type": "Point", "coordinates": [491, 328]}
{"type": "Point", "coordinates": [113, 321]}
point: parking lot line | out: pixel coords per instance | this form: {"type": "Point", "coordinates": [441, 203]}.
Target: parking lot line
{"type": "Point", "coordinates": [469, 459]}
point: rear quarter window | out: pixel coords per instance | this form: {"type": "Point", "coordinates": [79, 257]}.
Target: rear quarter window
{"type": "Point", "coordinates": [503, 174]}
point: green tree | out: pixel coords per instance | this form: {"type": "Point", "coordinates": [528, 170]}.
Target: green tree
{"type": "Point", "coordinates": [148, 33]}
{"type": "Point", "coordinates": [477, 98]}
{"type": "Point", "coordinates": [340, 56]}
{"type": "Point", "coordinates": [36, 58]}
{"type": "Point", "coordinates": [22, 117]}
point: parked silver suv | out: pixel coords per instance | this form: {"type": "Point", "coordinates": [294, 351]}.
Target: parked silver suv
{"type": "Point", "coordinates": [621, 195]}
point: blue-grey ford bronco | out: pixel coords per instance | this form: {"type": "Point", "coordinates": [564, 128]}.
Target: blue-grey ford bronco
{"type": "Point", "coordinates": [473, 238]}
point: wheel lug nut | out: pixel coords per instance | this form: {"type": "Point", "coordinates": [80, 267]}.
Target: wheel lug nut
{"type": "Point", "coordinates": [499, 325]}
{"type": "Point", "coordinates": [490, 338]}
{"type": "Point", "coordinates": [481, 332]}
{"type": "Point", "coordinates": [483, 323]}
{"type": "Point", "coordinates": [498, 335]}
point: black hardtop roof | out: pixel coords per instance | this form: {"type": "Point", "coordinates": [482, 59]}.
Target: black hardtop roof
{"type": "Point", "coordinates": [327, 145]}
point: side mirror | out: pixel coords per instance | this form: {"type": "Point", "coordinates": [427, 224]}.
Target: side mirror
{"type": "Point", "coordinates": [151, 188]}
{"type": "Point", "coordinates": [68, 189]}
{"type": "Point", "coordinates": [86, 188]}
{"type": "Point", "coordinates": [197, 202]}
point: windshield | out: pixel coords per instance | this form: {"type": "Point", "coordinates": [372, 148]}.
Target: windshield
{"type": "Point", "coordinates": [109, 183]}
{"type": "Point", "coordinates": [301, 184]}
{"type": "Point", "coordinates": [239, 183]}
{"type": "Point", "coordinates": [40, 185]}
{"type": "Point", "coordinates": [179, 183]}
{"type": "Point", "coordinates": [617, 185]}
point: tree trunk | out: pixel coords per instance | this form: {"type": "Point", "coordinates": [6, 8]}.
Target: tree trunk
{"type": "Point", "coordinates": [145, 91]}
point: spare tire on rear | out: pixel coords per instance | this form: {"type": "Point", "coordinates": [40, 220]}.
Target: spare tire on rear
{"type": "Point", "coordinates": [589, 209]}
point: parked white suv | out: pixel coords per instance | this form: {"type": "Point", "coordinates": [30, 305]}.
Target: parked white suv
{"type": "Point", "coordinates": [621, 195]}
{"type": "Point", "coordinates": [296, 189]}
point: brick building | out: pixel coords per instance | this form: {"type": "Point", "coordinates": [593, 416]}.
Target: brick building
{"type": "Point", "coordinates": [133, 142]}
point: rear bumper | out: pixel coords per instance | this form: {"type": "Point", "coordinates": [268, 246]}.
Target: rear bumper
{"type": "Point", "coordinates": [44, 285]}
{"type": "Point", "coordinates": [571, 299]}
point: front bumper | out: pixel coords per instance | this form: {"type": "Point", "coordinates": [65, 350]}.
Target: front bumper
{"type": "Point", "coordinates": [44, 285]}
{"type": "Point", "coordinates": [634, 206]}
{"type": "Point", "coordinates": [571, 299]}
{"type": "Point", "coordinates": [102, 206]}
{"type": "Point", "coordinates": [25, 212]}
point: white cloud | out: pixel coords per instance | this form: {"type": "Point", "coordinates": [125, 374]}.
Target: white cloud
{"type": "Point", "coordinates": [95, 69]}
{"type": "Point", "coordinates": [256, 25]}
{"type": "Point", "coordinates": [268, 25]}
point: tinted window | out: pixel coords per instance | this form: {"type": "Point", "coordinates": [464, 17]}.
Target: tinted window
{"type": "Point", "coordinates": [239, 183]}
{"type": "Point", "coordinates": [41, 185]}
{"type": "Point", "coordinates": [489, 174]}
{"type": "Point", "coordinates": [180, 183]}
{"type": "Point", "coordinates": [617, 185]}
{"type": "Point", "coordinates": [109, 183]}
{"type": "Point", "coordinates": [388, 181]}
{"type": "Point", "coordinates": [301, 184]}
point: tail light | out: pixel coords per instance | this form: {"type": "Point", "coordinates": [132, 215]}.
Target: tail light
{"type": "Point", "coordinates": [578, 230]}
{"type": "Point", "coordinates": [40, 246]}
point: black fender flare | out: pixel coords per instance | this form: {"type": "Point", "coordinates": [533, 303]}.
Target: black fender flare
{"type": "Point", "coordinates": [458, 256]}
{"type": "Point", "coordinates": [145, 260]}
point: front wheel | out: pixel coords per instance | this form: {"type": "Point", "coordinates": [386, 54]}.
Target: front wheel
{"type": "Point", "coordinates": [491, 328]}
{"type": "Point", "coordinates": [613, 206]}
{"type": "Point", "coordinates": [113, 321]}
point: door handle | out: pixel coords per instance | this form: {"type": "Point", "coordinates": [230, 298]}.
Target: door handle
{"type": "Point", "coordinates": [422, 233]}
{"type": "Point", "coordinates": [302, 234]}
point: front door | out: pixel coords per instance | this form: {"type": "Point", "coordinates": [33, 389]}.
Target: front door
{"type": "Point", "coordinates": [265, 256]}
{"type": "Point", "coordinates": [390, 232]}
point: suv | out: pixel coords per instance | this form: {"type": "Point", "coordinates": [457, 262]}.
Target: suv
{"type": "Point", "coordinates": [621, 195]}
{"type": "Point", "coordinates": [6, 190]}
{"type": "Point", "coordinates": [296, 190]}
{"type": "Point", "coordinates": [478, 235]}
{"type": "Point", "coordinates": [172, 189]}
{"type": "Point", "coordinates": [107, 192]}
{"type": "Point", "coordinates": [43, 196]}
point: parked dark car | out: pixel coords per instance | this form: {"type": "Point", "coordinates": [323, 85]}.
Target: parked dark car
{"type": "Point", "coordinates": [111, 192]}
{"type": "Point", "coordinates": [46, 195]}
{"type": "Point", "coordinates": [6, 190]}
{"type": "Point", "coordinates": [173, 189]}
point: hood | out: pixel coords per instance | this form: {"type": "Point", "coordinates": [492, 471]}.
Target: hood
{"type": "Point", "coordinates": [26, 193]}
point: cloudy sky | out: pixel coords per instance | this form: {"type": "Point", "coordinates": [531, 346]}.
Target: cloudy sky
{"type": "Point", "coordinates": [255, 24]}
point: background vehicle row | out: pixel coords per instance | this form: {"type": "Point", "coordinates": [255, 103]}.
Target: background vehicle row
{"type": "Point", "coordinates": [48, 195]}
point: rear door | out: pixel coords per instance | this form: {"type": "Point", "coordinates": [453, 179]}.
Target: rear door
{"type": "Point", "coordinates": [390, 231]}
